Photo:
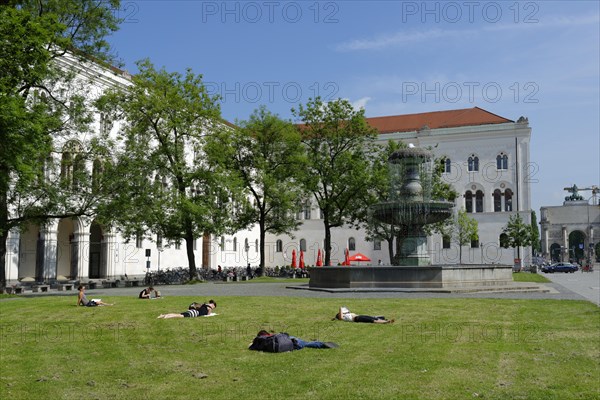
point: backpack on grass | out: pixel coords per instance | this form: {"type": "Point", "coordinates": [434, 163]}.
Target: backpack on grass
{"type": "Point", "coordinates": [278, 343]}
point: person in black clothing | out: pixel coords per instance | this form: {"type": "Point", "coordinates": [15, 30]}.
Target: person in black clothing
{"type": "Point", "coordinates": [146, 293]}
{"type": "Point", "coordinates": [194, 310]}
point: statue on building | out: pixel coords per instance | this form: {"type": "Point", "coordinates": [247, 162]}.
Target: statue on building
{"type": "Point", "coordinates": [575, 196]}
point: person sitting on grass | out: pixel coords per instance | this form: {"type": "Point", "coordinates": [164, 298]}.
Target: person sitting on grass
{"type": "Point", "coordinates": [345, 315]}
{"type": "Point", "coordinates": [82, 299]}
{"type": "Point", "coordinates": [194, 310]}
{"type": "Point", "coordinates": [147, 293]}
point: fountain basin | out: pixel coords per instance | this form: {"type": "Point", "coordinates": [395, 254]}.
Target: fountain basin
{"type": "Point", "coordinates": [418, 277]}
{"type": "Point", "coordinates": [412, 213]}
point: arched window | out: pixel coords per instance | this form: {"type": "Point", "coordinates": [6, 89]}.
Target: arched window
{"type": "Point", "coordinates": [502, 161]}
{"type": "Point", "coordinates": [503, 240]}
{"type": "Point", "coordinates": [469, 201]}
{"type": "Point", "coordinates": [72, 165]}
{"type": "Point", "coordinates": [479, 201]}
{"type": "Point", "coordinates": [447, 167]}
{"type": "Point", "coordinates": [352, 244]}
{"type": "Point", "coordinates": [473, 163]}
{"type": "Point", "coordinates": [303, 244]}
{"type": "Point", "coordinates": [307, 208]}
{"type": "Point", "coordinates": [446, 241]}
{"type": "Point", "coordinates": [497, 200]}
{"type": "Point", "coordinates": [508, 195]}
{"type": "Point", "coordinates": [279, 246]}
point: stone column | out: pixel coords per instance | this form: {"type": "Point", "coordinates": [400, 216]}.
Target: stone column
{"type": "Point", "coordinates": [565, 241]}
{"type": "Point", "coordinates": [81, 250]}
{"type": "Point", "coordinates": [49, 240]}
{"type": "Point", "coordinates": [12, 257]}
{"type": "Point", "coordinates": [110, 244]}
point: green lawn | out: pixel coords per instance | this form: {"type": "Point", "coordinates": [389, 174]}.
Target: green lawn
{"type": "Point", "coordinates": [437, 349]}
{"type": "Point", "coordinates": [529, 277]}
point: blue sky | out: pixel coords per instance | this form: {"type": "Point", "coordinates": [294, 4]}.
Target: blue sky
{"type": "Point", "coordinates": [535, 59]}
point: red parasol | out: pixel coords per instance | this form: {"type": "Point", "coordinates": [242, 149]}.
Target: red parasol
{"type": "Point", "coordinates": [319, 259]}
{"type": "Point", "coordinates": [358, 257]}
{"type": "Point", "coordinates": [346, 257]}
{"type": "Point", "coordinates": [294, 258]}
{"type": "Point", "coordinates": [301, 259]}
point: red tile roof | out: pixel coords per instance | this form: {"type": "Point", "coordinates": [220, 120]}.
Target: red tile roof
{"type": "Point", "coordinates": [435, 120]}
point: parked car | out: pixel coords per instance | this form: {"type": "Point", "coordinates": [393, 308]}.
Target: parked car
{"type": "Point", "coordinates": [560, 267]}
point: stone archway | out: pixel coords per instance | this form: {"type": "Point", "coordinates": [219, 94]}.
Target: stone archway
{"type": "Point", "coordinates": [555, 252]}
{"type": "Point", "coordinates": [577, 247]}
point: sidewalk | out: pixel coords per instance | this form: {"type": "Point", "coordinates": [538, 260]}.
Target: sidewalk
{"type": "Point", "coordinates": [554, 290]}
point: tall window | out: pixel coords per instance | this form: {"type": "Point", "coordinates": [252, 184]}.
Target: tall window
{"type": "Point", "coordinates": [159, 241]}
{"type": "Point", "coordinates": [72, 165]}
{"type": "Point", "coordinates": [246, 245]}
{"type": "Point", "coordinates": [502, 161]}
{"type": "Point", "coordinates": [256, 245]}
{"type": "Point", "coordinates": [307, 207]}
{"type": "Point", "coordinates": [139, 241]}
{"type": "Point", "coordinates": [279, 246]}
{"type": "Point", "coordinates": [376, 244]}
{"type": "Point", "coordinates": [497, 200]}
{"type": "Point", "coordinates": [473, 163]}
{"type": "Point", "coordinates": [222, 242]}
{"type": "Point", "coordinates": [508, 195]}
{"type": "Point", "coordinates": [351, 244]}
{"type": "Point", "coordinates": [446, 163]}
{"type": "Point", "coordinates": [446, 241]}
{"type": "Point", "coordinates": [479, 201]}
{"type": "Point", "coordinates": [234, 244]}
{"type": "Point", "coordinates": [303, 244]}
{"type": "Point", "coordinates": [469, 202]}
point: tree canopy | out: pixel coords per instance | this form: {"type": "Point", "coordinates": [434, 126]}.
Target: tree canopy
{"type": "Point", "coordinates": [339, 144]}
{"type": "Point", "coordinates": [170, 183]}
{"type": "Point", "coordinates": [41, 104]}
{"type": "Point", "coordinates": [268, 156]}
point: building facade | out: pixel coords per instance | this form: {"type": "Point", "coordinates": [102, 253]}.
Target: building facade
{"type": "Point", "coordinates": [570, 232]}
{"type": "Point", "coordinates": [486, 160]}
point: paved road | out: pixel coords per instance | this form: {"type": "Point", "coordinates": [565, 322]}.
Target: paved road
{"type": "Point", "coordinates": [586, 284]}
{"type": "Point", "coordinates": [577, 286]}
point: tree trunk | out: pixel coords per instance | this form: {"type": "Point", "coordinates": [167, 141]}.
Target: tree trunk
{"type": "Point", "coordinates": [189, 246]}
{"type": "Point", "coordinates": [327, 244]}
{"type": "Point", "coordinates": [4, 229]}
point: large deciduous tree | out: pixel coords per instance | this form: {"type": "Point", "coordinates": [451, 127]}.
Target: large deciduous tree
{"type": "Point", "coordinates": [168, 183]}
{"type": "Point", "coordinates": [40, 104]}
{"type": "Point", "coordinates": [339, 144]}
{"type": "Point", "coordinates": [267, 154]}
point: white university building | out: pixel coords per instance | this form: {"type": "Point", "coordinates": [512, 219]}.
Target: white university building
{"type": "Point", "coordinates": [487, 162]}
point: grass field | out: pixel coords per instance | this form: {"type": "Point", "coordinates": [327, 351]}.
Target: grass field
{"type": "Point", "coordinates": [437, 349]}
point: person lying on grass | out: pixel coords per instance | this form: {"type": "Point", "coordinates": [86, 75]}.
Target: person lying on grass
{"type": "Point", "coordinates": [282, 342]}
{"type": "Point", "coordinates": [82, 299]}
{"type": "Point", "coordinates": [194, 310]}
{"type": "Point", "coordinates": [345, 315]}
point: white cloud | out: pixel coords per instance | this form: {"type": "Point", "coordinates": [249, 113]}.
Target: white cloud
{"type": "Point", "coordinates": [360, 103]}
{"type": "Point", "coordinates": [400, 39]}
